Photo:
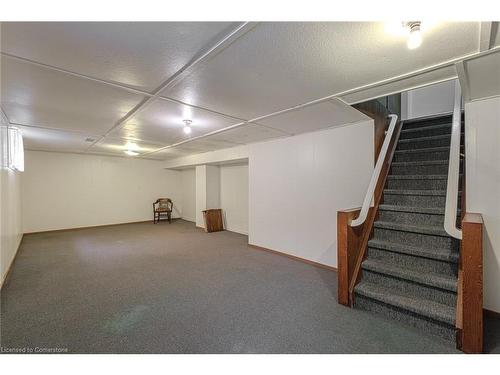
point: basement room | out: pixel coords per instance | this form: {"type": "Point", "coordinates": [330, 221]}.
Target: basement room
{"type": "Point", "coordinates": [213, 186]}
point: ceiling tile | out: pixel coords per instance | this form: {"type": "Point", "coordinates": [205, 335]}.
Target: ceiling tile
{"type": "Point", "coordinates": [138, 54]}
{"type": "Point", "coordinates": [162, 122]}
{"type": "Point", "coordinates": [315, 117]}
{"type": "Point", "coordinates": [54, 140]}
{"type": "Point", "coordinates": [248, 133]}
{"type": "Point", "coordinates": [119, 146]}
{"type": "Point", "coordinates": [282, 64]}
{"type": "Point", "coordinates": [36, 96]}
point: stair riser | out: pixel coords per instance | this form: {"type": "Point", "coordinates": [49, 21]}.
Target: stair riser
{"type": "Point", "coordinates": [411, 289]}
{"type": "Point", "coordinates": [420, 169]}
{"type": "Point", "coordinates": [416, 239]}
{"type": "Point", "coordinates": [429, 122]}
{"type": "Point", "coordinates": [411, 218]}
{"type": "Point", "coordinates": [415, 200]}
{"type": "Point", "coordinates": [421, 156]}
{"type": "Point", "coordinates": [426, 132]}
{"type": "Point", "coordinates": [429, 184]}
{"type": "Point", "coordinates": [414, 262]}
{"type": "Point", "coordinates": [423, 144]}
{"type": "Point", "coordinates": [422, 323]}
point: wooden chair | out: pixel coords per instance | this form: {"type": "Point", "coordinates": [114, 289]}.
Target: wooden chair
{"type": "Point", "coordinates": [162, 206]}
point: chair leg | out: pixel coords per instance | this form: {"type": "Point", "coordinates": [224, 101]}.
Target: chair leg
{"type": "Point", "coordinates": [169, 218]}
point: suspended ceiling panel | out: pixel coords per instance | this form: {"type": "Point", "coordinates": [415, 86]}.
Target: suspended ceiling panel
{"type": "Point", "coordinates": [272, 67]}
{"type": "Point", "coordinates": [248, 133]}
{"type": "Point", "coordinates": [484, 76]}
{"type": "Point", "coordinates": [319, 116]}
{"type": "Point", "coordinates": [118, 146]}
{"type": "Point", "coordinates": [54, 140]}
{"type": "Point", "coordinates": [138, 54]}
{"type": "Point", "coordinates": [36, 96]}
{"type": "Point", "coordinates": [161, 122]}
{"type": "Point", "coordinates": [277, 65]}
{"type": "Point", "coordinates": [423, 79]}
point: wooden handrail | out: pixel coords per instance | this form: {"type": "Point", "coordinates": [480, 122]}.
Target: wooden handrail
{"type": "Point", "coordinates": [469, 321]}
{"type": "Point", "coordinates": [352, 242]}
{"type": "Point", "coordinates": [373, 212]}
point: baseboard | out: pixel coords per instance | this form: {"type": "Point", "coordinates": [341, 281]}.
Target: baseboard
{"type": "Point", "coordinates": [9, 269]}
{"type": "Point", "coordinates": [97, 226]}
{"type": "Point", "coordinates": [234, 230]}
{"type": "Point", "coordinates": [307, 261]}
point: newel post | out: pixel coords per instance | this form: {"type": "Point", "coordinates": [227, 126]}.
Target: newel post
{"type": "Point", "coordinates": [346, 242]}
{"type": "Point", "coordinates": [471, 288]}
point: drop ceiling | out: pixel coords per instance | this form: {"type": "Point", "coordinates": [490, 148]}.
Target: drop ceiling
{"type": "Point", "coordinates": [99, 87]}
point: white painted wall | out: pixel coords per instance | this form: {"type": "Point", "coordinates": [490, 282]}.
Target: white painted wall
{"type": "Point", "coordinates": [297, 185]}
{"type": "Point", "coordinates": [234, 197]}
{"type": "Point", "coordinates": [429, 100]}
{"type": "Point", "coordinates": [188, 177]}
{"type": "Point", "coordinates": [201, 194]}
{"type": "Point", "coordinates": [207, 191]}
{"type": "Point", "coordinates": [482, 127]}
{"type": "Point", "coordinates": [10, 207]}
{"type": "Point", "coordinates": [71, 190]}
{"type": "Point", "coordinates": [213, 186]}
{"type": "Point", "coordinates": [11, 231]}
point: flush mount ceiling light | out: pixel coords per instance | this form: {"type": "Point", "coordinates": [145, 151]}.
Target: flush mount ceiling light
{"type": "Point", "coordinates": [187, 126]}
{"type": "Point", "coordinates": [131, 146]}
{"type": "Point", "coordinates": [131, 153]}
{"type": "Point", "coordinates": [415, 37]}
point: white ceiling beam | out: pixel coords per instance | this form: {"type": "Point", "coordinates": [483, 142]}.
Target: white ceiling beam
{"type": "Point", "coordinates": [486, 35]}
{"type": "Point", "coordinates": [181, 73]}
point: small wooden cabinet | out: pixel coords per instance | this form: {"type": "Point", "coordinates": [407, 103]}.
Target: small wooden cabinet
{"type": "Point", "coordinates": [213, 220]}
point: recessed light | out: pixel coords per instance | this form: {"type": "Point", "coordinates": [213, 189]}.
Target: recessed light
{"type": "Point", "coordinates": [131, 153]}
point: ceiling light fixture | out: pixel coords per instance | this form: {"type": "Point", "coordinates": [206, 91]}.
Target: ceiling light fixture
{"type": "Point", "coordinates": [187, 126]}
{"type": "Point", "coordinates": [131, 149]}
{"type": "Point", "coordinates": [415, 37]}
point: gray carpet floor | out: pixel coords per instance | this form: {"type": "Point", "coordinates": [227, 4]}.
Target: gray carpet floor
{"type": "Point", "coordinates": [144, 288]}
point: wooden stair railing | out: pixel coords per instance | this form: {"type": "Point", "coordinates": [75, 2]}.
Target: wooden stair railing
{"type": "Point", "coordinates": [469, 318]}
{"type": "Point", "coordinates": [352, 242]}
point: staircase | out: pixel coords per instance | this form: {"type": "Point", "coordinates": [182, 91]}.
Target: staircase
{"type": "Point", "coordinates": [410, 271]}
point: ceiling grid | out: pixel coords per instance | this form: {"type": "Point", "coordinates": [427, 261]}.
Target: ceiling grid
{"type": "Point", "coordinates": [64, 84]}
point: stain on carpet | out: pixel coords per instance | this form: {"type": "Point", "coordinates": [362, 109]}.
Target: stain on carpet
{"type": "Point", "coordinates": [126, 321]}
